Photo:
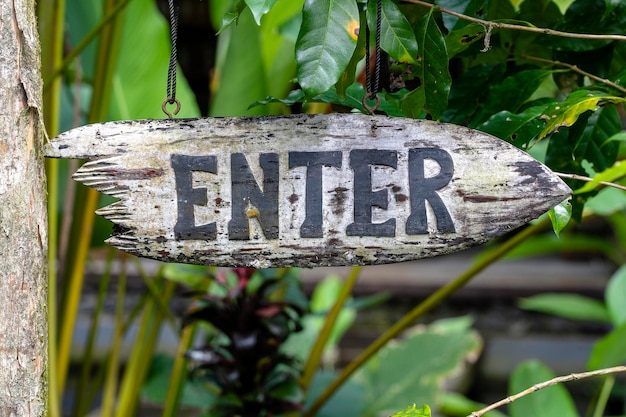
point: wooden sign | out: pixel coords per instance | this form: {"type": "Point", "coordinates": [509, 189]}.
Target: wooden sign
{"type": "Point", "coordinates": [306, 190]}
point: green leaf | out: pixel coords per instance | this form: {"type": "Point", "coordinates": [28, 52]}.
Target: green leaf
{"type": "Point", "coordinates": [617, 171]}
{"type": "Point", "coordinates": [259, 8]}
{"type": "Point", "coordinates": [609, 351]}
{"type": "Point", "coordinates": [434, 355]}
{"type": "Point", "coordinates": [326, 42]}
{"type": "Point", "coordinates": [518, 129]}
{"type": "Point", "coordinates": [349, 75]}
{"type": "Point", "coordinates": [548, 402]}
{"type": "Point", "coordinates": [469, 90]}
{"type": "Point", "coordinates": [566, 113]}
{"type": "Point", "coordinates": [141, 74]}
{"type": "Point", "coordinates": [396, 35]}
{"type": "Point", "coordinates": [569, 306]}
{"type": "Point", "coordinates": [346, 402]}
{"type": "Point", "coordinates": [412, 103]}
{"type": "Point", "coordinates": [232, 16]}
{"type": "Point", "coordinates": [466, 7]}
{"type": "Point", "coordinates": [616, 295]}
{"type": "Point", "coordinates": [196, 277]}
{"type": "Point", "coordinates": [455, 404]}
{"type": "Point", "coordinates": [239, 85]}
{"type": "Point", "coordinates": [608, 201]}
{"type": "Point", "coordinates": [195, 393]}
{"type": "Point", "coordinates": [512, 93]}
{"type": "Point", "coordinates": [560, 215]}
{"type": "Point", "coordinates": [460, 39]}
{"type": "Point", "coordinates": [413, 411]}
{"type": "Point", "coordinates": [434, 73]}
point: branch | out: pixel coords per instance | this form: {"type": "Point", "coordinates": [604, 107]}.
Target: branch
{"type": "Point", "coordinates": [545, 384]}
{"type": "Point", "coordinates": [578, 70]}
{"type": "Point", "coordinates": [532, 29]}
{"type": "Point", "coordinates": [587, 179]}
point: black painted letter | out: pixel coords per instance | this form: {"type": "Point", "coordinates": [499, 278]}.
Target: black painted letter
{"type": "Point", "coordinates": [185, 228]}
{"type": "Point", "coordinates": [423, 189]}
{"type": "Point", "coordinates": [361, 161]}
{"type": "Point", "coordinates": [249, 201]}
{"type": "Point", "coordinates": [314, 161]}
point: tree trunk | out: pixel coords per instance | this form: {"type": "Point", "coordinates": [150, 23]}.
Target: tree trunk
{"type": "Point", "coordinates": [23, 222]}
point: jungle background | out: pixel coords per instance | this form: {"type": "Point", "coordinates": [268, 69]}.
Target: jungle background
{"type": "Point", "coordinates": [505, 67]}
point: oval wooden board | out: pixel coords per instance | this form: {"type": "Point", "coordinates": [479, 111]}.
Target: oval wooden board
{"type": "Point", "coordinates": [306, 190]}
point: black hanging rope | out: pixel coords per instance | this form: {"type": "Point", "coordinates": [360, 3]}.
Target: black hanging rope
{"type": "Point", "coordinates": [171, 72]}
{"type": "Point", "coordinates": [372, 93]}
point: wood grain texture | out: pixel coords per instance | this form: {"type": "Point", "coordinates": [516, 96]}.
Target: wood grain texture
{"type": "Point", "coordinates": [437, 188]}
{"type": "Point", "coordinates": [23, 220]}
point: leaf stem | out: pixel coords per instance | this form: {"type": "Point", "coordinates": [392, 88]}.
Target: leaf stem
{"type": "Point", "coordinates": [315, 356]}
{"type": "Point", "coordinates": [588, 179]}
{"type": "Point", "coordinates": [431, 302]}
{"type": "Point", "coordinates": [576, 69]}
{"type": "Point", "coordinates": [545, 384]}
{"type": "Point", "coordinates": [533, 29]}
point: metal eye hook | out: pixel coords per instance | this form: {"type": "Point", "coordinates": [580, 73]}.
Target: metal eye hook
{"type": "Point", "coordinates": [373, 108]}
{"type": "Point", "coordinates": [167, 101]}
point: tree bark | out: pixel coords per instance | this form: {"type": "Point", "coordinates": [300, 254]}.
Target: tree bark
{"type": "Point", "coordinates": [23, 221]}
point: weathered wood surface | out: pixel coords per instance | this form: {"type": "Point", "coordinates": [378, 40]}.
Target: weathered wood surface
{"type": "Point", "coordinates": [306, 190]}
{"type": "Point", "coordinates": [23, 219]}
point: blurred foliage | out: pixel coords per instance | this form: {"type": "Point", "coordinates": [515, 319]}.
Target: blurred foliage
{"type": "Point", "coordinates": [558, 97]}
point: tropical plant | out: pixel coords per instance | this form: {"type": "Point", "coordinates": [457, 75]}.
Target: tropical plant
{"type": "Point", "coordinates": [545, 75]}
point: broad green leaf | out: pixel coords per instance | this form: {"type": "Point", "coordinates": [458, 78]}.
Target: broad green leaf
{"type": "Point", "coordinates": [194, 393]}
{"type": "Point", "coordinates": [346, 402]}
{"type": "Point", "coordinates": [608, 201]}
{"type": "Point", "coordinates": [195, 277]}
{"type": "Point", "coordinates": [412, 103]}
{"type": "Point", "coordinates": [259, 8]}
{"type": "Point", "coordinates": [322, 300]}
{"type": "Point", "coordinates": [413, 411]}
{"type": "Point", "coordinates": [349, 75]}
{"type": "Point", "coordinates": [609, 351]}
{"type": "Point", "coordinates": [587, 16]}
{"type": "Point", "coordinates": [396, 35]}
{"type": "Point", "coordinates": [326, 42]}
{"type": "Point", "coordinates": [466, 7]}
{"type": "Point", "coordinates": [569, 306]}
{"type": "Point", "coordinates": [469, 90]}
{"type": "Point", "coordinates": [617, 171]}
{"type": "Point", "coordinates": [455, 404]}
{"type": "Point", "coordinates": [518, 129]}
{"type": "Point", "coordinates": [240, 85]}
{"type": "Point", "coordinates": [139, 86]}
{"type": "Point", "coordinates": [434, 73]}
{"type": "Point", "coordinates": [596, 146]}
{"type": "Point", "coordinates": [232, 16]}
{"type": "Point", "coordinates": [548, 402]}
{"type": "Point", "coordinates": [460, 39]}
{"type": "Point", "coordinates": [566, 113]}
{"type": "Point", "coordinates": [413, 370]}
{"type": "Point", "coordinates": [560, 215]}
{"type": "Point", "coordinates": [616, 296]}
{"type": "Point", "coordinates": [512, 93]}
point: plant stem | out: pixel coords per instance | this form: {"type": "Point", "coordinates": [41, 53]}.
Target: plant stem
{"type": "Point", "coordinates": [179, 372]}
{"type": "Point", "coordinates": [603, 398]}
{"type": "Point", "coordinates": [546, 384]}
{"type": "Point", "coordinates": [576, 69]}
{"type": "Point", "coordinates": [315, 355]}
{"type": "Point", "coordinates": [112, 373]}
{"type": "Point", "coordinates": [509, 26]}
{"type": "Point", "coordinates": [84, 42]}
{"type": "Point", "coordinates": [588, 179]}
{"type": "Point", "coordinates": [427, 305]}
